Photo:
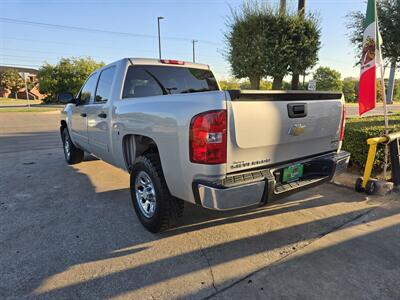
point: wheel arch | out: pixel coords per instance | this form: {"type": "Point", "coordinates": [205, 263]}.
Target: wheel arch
{"type": "Point", "coordinates": [63, 124]}
{"type": "Point", "coordinates": [134, 145]}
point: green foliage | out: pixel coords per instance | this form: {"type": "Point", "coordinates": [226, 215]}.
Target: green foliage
{"type": "Point", "coordinates": [358, 130]}
{"type": "Point", "coordinates": [389, 26]}
{"type": "Point", "coordinates": [327, 79]}
{"type": "Point", "coordinates": [350, 89]}
{"type": "Point", "coordinates": [396, 93]}
{"type": "Point", "coordinates": [68, 75]}
{"type": "Point", "coordinates": [229, 84]}
{"type": "Point", "coordinates": [305, 37]}
{"type": "Point", "coordinates": [233, 84]}
{"type": "Point", "coordinates": [261, 43]}
{"type": "Point", "coordinates": [11, 80]}
{"type": "Point", "coordinates": [245, 42]}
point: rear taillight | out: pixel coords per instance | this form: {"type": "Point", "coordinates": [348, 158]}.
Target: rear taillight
{"type": "Point", "coordinates": [172, 62]}
{"type": "Point", "coordinates": [207, 138]}
{"type": "Point", "coordinates": [343, 124]}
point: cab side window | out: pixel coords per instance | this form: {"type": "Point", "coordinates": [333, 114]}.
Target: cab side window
{"type": "Point", "coordinates": [87, 90]}
{"type": "Point", "coordinates": [141, 83]}
{"type": "Point", "coordinates": [103, 91]}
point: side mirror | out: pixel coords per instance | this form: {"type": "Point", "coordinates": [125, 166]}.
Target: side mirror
{"type": "Point", "coordinates": [65, 98]}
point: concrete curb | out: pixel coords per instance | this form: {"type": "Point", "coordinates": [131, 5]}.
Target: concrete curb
{"type": "Point", "coordinates": [348, 179]}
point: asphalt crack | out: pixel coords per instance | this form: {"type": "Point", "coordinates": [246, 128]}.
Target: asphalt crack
{"type": "Point", "coordinates": [203, 253]}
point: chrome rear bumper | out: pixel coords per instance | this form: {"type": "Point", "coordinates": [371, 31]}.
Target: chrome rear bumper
{"type": "Point", "coordinates": [260, 186]}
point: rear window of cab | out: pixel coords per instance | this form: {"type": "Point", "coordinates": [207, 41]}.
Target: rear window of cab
{"type": "Point", "coordinates": [146, 81]}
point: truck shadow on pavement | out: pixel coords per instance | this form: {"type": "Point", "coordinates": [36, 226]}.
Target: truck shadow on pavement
{"type": "Point", "coordinates": [69, 238]}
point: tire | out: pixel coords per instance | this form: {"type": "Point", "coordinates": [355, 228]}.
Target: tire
{"type": "Point", "coordinates": [156, 209]}
{"type": "Point", "coordinates": [72, 154]}
{"type": "Point", "coordinates": [358, 186]}
{"type": "Point", "coordinates": [370, 188]}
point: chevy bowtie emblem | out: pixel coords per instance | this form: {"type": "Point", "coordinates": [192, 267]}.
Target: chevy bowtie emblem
{"type": "Point", "coordinates": [297, 129]}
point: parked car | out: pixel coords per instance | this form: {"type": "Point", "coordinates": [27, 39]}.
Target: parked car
{"type": "Point", "coordinates": [181, 138]}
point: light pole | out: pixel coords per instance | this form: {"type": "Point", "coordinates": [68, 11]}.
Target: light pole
{"type": "Point", "coordinates": [194, 50]}
{"type": "Point", "coordinates": [159, 37]}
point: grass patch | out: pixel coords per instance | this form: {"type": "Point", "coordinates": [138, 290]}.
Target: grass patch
{"type": "Point", "coordinates": [358, 130]}
{"type": "Point", "coordinates": [11, 101]}
{"type": "Point", "coordinates": [377, 104]}
{"type": "Point", "coordinates": [26, 109]}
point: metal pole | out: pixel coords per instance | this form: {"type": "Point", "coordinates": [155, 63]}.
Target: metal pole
{"type": "Point", "coordinates": [282, 7]}
{"type": "Point", "coordinates": [389, 96]}
{"type": "Point", "coordinates": [395, 160]}
{"type": "Point", "coordinates": [194, 50]}
{"type": "Point", "coordinates": [23, 75]}
{"type": "Point", "coordinates": [159, 36]}
{"type": "Point", "coordinates": [385, 112]}
{"type": "Point", "coordinates": [26, 91]}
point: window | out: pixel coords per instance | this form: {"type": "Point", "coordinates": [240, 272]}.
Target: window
{"type": "Point", "coordinates": [87, 90]}
{"type": "Point", "coordinates": [103, 91]}
{"type": "Point", "coordinates": [144, 81]}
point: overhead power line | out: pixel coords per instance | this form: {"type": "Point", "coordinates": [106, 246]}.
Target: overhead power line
{"type": "Point", "coordinates": [76, 28]}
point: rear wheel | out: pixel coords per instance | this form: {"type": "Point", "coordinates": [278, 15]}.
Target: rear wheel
{"type": "Point", "coordinates": [370, 188]}
{"type": "Point", "coordinates": [73, 155]}
{"type": "Point", "coordinates": [156, 209]}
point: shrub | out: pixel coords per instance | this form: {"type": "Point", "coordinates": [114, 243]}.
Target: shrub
{"type": "Point", "coordinates": [358, 130]}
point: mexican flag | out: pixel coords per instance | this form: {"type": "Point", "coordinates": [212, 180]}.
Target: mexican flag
{"type": "Point", "coordinates": [370, 60]}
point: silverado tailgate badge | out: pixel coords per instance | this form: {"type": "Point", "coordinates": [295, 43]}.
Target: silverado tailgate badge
{"type": "Point", "coordinates": [297, 129]}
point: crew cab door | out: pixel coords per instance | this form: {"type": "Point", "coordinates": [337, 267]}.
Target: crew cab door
{"type": "Point", "coordinates": [80, 111]}
{"type": "Point", "coordinates": [98, 116]}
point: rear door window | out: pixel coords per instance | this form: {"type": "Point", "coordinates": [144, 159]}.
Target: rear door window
{"type": "Point", "coordinates": [103, 91]}
{"type": "Point", "coordinates": [87, 90]}
{"type": "Point", "coordinates": [144, 81]}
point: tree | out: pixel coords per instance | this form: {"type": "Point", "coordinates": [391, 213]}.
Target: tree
{"type": "Point", "coordinates": [68, 75]}
{"type": "Point", "coordinates": [327, 79]}
{"type": "Point", "coordinates": [11, 80]}
{"type": "Point", "coordinates": [306, 35]}
{"type": "Point", "coordinates": [245, 42]}
{"type": "Point", "coordinates": [349, 89]}
{"type": "Point", "coordinates": [263, 42]}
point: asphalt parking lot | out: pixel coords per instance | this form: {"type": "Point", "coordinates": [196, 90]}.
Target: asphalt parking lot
{"type": "Point", "coordinates": [69, 232]}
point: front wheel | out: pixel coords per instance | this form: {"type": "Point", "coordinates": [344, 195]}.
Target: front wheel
{"type": "Point", "coordinates": [73, 155]}
{"type": "Point", "coordinates": [156, 209]}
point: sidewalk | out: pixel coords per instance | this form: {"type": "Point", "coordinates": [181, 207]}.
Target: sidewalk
{"type": "Point", "coordinates": [360, 260]}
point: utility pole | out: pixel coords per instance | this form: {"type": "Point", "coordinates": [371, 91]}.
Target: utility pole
{"type": "Point", "coordinates": [282, 7]}
{"type": "Point", "coordinates": [194, 50]}
{"type": "Point", "coordinates": [296, 76]}
{"type": "Point", "coordinates": [301, 7]}
{"type": "Point", "coordinates": [159, 36]}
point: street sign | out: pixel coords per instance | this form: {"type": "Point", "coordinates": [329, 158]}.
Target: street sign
{"type": "Point", "coordinates": [312, 85]}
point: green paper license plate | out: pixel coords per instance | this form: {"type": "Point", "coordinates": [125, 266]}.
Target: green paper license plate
{"type": "Point", "coordinates": [292, 173]}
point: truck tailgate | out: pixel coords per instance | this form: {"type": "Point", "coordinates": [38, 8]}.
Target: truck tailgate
{"type": "Point", "coordinates": [267, 128]}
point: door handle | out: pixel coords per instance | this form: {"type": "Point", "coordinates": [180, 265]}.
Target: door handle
{"type": "Point", "coordinates": [297, 110]}
{"type": "Point", "coordinates": [102, 115]}
{"type": "Point", "coordinates": [84, 115]}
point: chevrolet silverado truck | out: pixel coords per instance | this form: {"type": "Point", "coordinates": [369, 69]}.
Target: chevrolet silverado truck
{"type": "Point", "coordinates": [181, 138]}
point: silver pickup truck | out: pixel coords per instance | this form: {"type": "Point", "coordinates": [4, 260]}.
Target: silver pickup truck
{"type": "Point", "coordinates": [181, 138]}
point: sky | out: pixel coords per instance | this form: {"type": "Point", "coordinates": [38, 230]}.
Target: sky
{"type": "Point", "coordinates": [31, 44]}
